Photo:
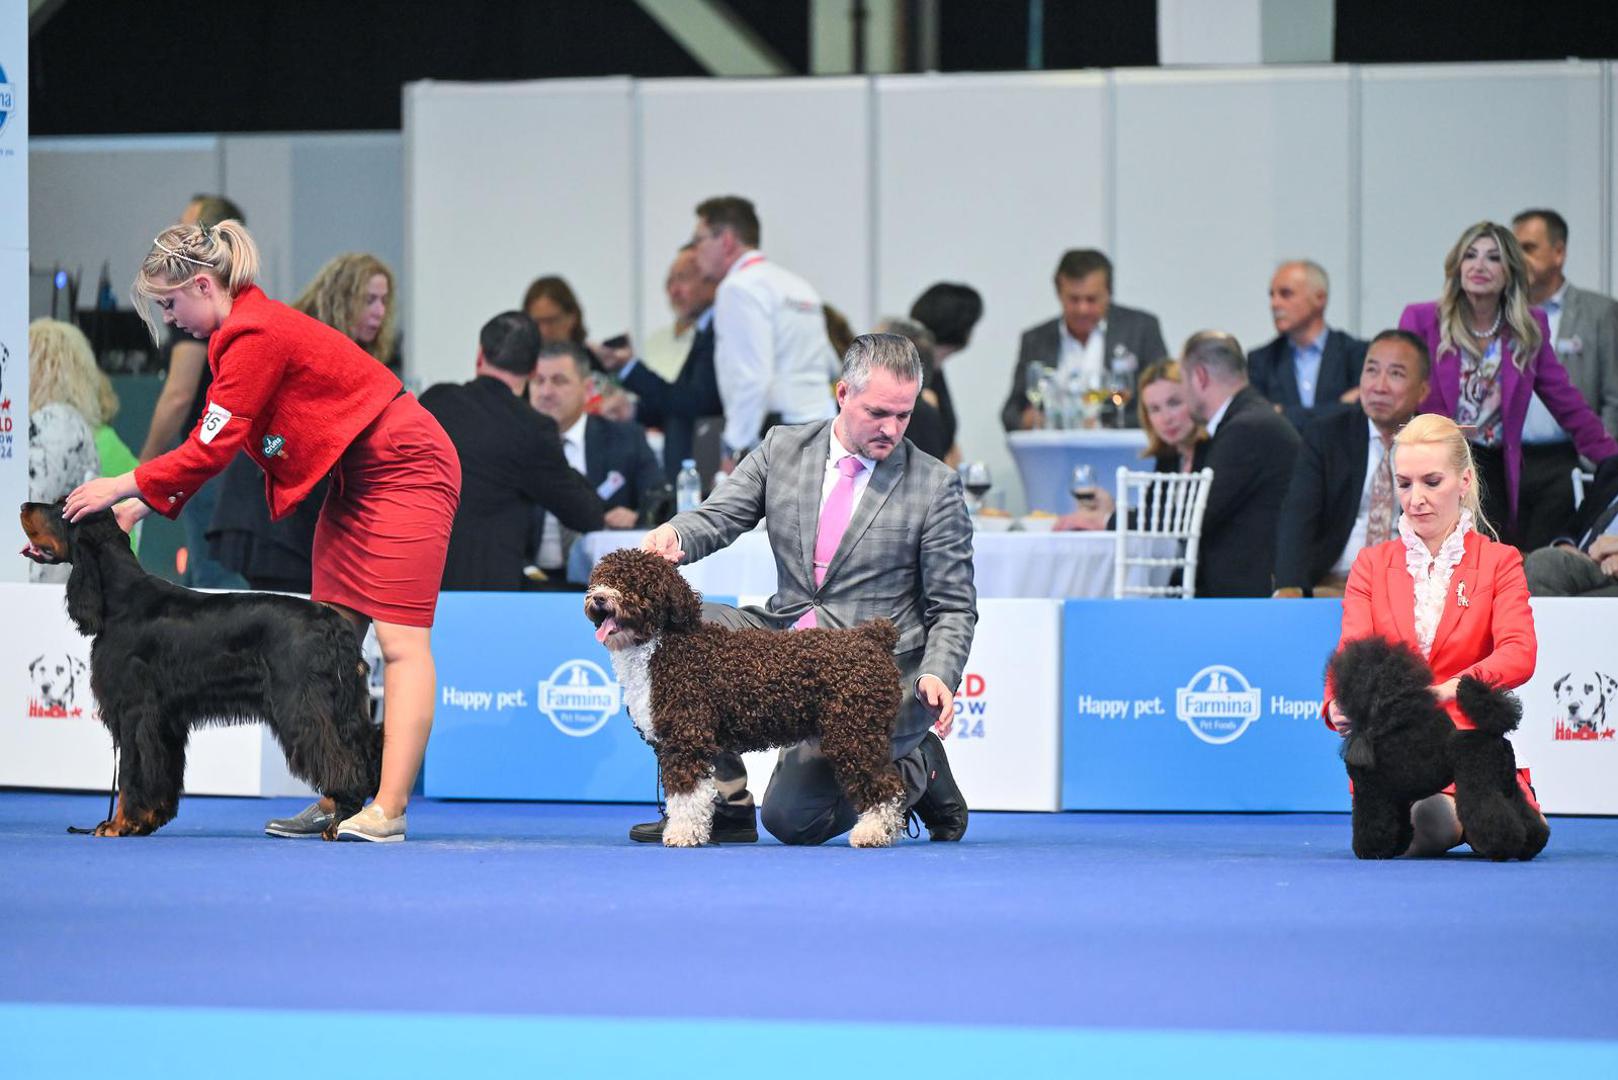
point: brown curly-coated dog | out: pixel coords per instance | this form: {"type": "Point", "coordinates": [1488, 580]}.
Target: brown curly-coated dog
{"type": "Point", "coordinates": [695, 689]}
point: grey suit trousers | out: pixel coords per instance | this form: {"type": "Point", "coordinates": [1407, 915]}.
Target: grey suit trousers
{"type": "Point", "coordinates": [803, 803]}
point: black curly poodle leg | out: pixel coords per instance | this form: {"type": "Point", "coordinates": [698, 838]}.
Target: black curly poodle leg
{"type": "Point", "coordinates": [1382, 828]}
{"type": "Point", "coordinates": [1487, 798]}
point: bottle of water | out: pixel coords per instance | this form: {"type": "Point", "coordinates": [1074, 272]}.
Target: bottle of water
{"type": "Point", "coordinates": [688, 487]}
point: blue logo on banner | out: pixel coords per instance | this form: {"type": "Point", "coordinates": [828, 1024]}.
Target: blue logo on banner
{"type": "Point", "coordinates": [7, 99]}
{"type": "Point", "coordinates": [1217, 704]}
{"type": "Point", "coordinates": [579, 698]}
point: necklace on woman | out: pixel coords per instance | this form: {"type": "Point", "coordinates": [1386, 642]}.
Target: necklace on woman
{"type": "Point", "coordinates": [1491, 331]}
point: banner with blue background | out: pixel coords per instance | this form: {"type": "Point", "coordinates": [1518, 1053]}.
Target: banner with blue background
{"type": "Point", "coordinates": [1216, 707]}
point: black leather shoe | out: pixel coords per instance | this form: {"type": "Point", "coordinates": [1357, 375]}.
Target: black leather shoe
{"type": "Point", "coordinates": [942, 807]}
{"type": "Point", "coordinates": [731, 825]}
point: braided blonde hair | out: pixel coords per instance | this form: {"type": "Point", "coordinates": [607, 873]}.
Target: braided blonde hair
{"type": "Point", "coordinates": [225, 252]}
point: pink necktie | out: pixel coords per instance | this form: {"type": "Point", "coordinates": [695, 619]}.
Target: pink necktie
{"type": "Point", "coordinates": [833, 524]}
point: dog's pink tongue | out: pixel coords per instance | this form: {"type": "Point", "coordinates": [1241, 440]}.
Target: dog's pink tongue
{"type": "Point", "coordinates": [607, 626]}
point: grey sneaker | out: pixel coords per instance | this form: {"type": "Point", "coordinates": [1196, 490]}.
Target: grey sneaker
{"type": "Point", "coordinates": [371, 824]}
{"type": "Point", "coordinates": [308, 823]}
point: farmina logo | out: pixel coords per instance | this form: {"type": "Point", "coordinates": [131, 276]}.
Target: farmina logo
{"type": "Point", "coordinates": [8, 100]}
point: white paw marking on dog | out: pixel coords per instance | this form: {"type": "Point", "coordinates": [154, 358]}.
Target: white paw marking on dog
{"type": "Point", "coordinates": [633, 666]}
{"type": "Point", "coordinates": [878, 826]}
{"type": "Point", "coordinates": [690, 821]}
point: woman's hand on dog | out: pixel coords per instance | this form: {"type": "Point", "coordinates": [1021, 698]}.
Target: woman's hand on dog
{"type": "Point", "coordinates": [1338, 720]}
{"type": "Point", "coordinates": [1445, 691]}
{"type": "Point", "coordinates": [129, 513]}
{"type": "Point", "coordinates": [663, 541]}
{"type": "Point", "coordinates": [932, 692]}
{"type": "Point", "coordinates": [93, 495]}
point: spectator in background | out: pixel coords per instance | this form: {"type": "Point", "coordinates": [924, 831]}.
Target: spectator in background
{"type": "Point", "coordinates": [1583, 559]}
{"type": "Point", "coordinates": [1309, 370]}
{"type": "Point", "coordinates": [612, 455]}
{"type": "Point", "coordinates": [511, 462]}
{"type": "Point", "coordinates": [950, 311]}
{"type": "Point", "coordinates": [1584, 331]}
{"type": "Point", "coordinates": [64, 411]}
{"type": "Point", "coordinates": [926, 431]}
{"type": "Point", "coordinates": [838, 331]}
{"type": "Point", "coordinates": [1092, 338]}
{"type": "Point", "coordinates": [693, 396]}
{"type": "Point", "coordinates": [771, 352]}
{"type": "Point", "coordinates": [1341, 499]}
{"type": "Point", "coordinates": [690, 294]}
{"type": "Point", "coordinates": [352, 293]}
{"type": "Point", "coordinates": [1491, 354]}
{"type": "Point", "coordinates": [1175, 442]}
{"type": "Point", "coordinates": [179, 408]}
{"type": "Point", "coordinates": [550, 302]}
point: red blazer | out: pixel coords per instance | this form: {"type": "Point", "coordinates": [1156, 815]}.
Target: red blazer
{"type": "Point", "coordinates": [1492, 637]}
{"type": "Point", "coordinates": [288, 390]}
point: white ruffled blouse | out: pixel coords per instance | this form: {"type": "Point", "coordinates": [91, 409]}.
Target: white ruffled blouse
{"type": "Point", "coordinates": [1430, 574]}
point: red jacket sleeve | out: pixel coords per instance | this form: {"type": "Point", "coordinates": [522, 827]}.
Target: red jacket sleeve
{"type": "Point", "coordinates": [1357, 620]}
{"type": "Point", "coordinates": [247, 371]}
{"type": "Point", "coordinates": [1511, 626]}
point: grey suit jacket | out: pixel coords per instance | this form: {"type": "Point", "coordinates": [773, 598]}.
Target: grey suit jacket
{"type": "Point", "coordinates": [906, 556]}
{"type": "Point", "coordinates": [1136, 331]}
{"type": "Point", "coordinates": [1587, 345]}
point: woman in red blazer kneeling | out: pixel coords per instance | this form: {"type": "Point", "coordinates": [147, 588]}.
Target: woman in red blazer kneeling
{"type": "Point", "coordinates": [1446, 590]}
{"type": "Point", "coordinates": [303, 400]}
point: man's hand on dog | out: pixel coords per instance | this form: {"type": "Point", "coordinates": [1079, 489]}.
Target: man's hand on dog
{"type": "Point", "coordinates": [931, 692]}
{"type": "Point", "coordinates": [663, 541]}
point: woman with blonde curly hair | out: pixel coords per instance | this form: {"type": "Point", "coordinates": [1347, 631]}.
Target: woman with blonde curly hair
{"type": "Point", "coordinates": [1492, 354]}
{"type": "Point", "coordinates": [353, 293]}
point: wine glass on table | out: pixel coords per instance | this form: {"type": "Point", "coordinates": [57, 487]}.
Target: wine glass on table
{"type": "Point", "coordinates": [1038, 381]}
{"type": "Point", "coordinates": [1119, 387]}
{"type": "Point", "coordinates": [975, 478]}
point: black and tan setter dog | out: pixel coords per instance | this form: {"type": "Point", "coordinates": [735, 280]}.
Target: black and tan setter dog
{"type": "Point", "coordinates": [165, 659]}
{"type": "Point", "coordinates": [694, 689]}
{"type": "Point", "coordinates": [1404, 747]}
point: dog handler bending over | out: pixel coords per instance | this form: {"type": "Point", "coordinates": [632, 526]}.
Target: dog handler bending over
{"type": "Point", "coordinates": [1447, 591]}
{"type": "Point", "coordinates": [863, 526]}
{"type": "Point", "coordinates": [302, 400]}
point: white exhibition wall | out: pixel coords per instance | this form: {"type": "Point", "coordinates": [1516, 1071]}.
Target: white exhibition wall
{"type": "Point", "coordinates": [1195, 181]}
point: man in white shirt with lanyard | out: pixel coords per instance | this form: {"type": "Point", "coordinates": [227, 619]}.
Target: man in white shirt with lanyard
{"type": "Point", "coordinates": [771, 353]}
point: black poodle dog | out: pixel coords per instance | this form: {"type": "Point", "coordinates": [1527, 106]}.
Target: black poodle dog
{"type": "Point", "coordinates": [1403, 747]}
{"type": "Point", "coordinates": [694, 689]}
{"type": "Point", "coordinates": [166, 659]}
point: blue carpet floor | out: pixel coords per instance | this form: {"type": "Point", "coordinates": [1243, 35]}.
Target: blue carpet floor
{"type": "Point", "coordinates": [514, 937]}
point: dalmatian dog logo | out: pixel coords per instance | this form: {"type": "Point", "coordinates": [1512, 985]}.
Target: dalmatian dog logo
{"type": "Point", "coordinates": [1586, 706]}
{"type": "Point", "coordinates": [58, 686]}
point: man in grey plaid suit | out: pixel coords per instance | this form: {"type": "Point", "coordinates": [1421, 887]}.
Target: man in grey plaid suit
{"type": "Point", "coordinates": [882, 534]}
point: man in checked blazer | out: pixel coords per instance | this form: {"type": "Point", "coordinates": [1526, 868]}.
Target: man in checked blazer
{"type": "Point", "coordinates": [906, 556]}
{"type": "Point", "coordinates": [1092, 337]}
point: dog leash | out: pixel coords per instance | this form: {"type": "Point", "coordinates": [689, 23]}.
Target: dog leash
{"type": "Point", "coordinates": [112, 796]}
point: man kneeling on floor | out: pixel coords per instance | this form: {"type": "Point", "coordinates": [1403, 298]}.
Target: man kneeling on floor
{"type": "Point", "coordinates": [863, 526]}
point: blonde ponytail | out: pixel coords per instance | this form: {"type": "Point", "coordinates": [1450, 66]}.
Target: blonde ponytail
{"type": "Point", "coordinates": [225, 252]}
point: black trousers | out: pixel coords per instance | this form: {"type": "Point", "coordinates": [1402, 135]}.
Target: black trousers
{"type": "Point", "coordinates": [1545, 498]}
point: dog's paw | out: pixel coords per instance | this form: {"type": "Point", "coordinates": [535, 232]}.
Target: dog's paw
{"type": "Point", "coordinates": [109, 828]}
{"type": "Point", "coordinates": [878, 827]}
{"type": "Point", "coordinates": [681, 835]}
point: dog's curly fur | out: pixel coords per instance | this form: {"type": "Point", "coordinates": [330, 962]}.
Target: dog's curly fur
{"type": "Point", "coordinates": [1403, 747]}
{"type": "Point", "coordinates": [695, 689]}
{"type": "Point", "coordinates": [166, 659]}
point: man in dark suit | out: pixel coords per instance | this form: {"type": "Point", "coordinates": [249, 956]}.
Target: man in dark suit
{"type": "Point", "coordinates": [677, 407]}
{"type": "Point", "coordinates": [900, 549]}
{"type": "Point", "coordinates": [1092, 338]}
{"type": "Point", "coordinates": [511, 462]}
{"type": "Point", "coordinates": [612, 454]}
{"type": "Point", "coordinates": [1583, 561]}
{"type": "Point", "coordinates": [1341, 498]}
{"type": "Point", "coordinates": [1251, 451]}
{"type": "Point", "coordinates": [1310, 371]}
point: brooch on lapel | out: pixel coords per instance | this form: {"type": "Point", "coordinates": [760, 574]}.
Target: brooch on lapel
{"type": "Point", "coordinates": [273, 445]}
{"type": "Point", "coordinates": [1460, 594]}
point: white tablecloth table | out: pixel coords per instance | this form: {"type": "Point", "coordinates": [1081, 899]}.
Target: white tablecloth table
{"type": "Point", "coordinates": [1045, 460]}
{"type": "Point", "coordinates": [1005, 564]}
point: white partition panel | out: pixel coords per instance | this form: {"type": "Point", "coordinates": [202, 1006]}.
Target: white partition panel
{"type": "Point", "coordinates": [1222, 174]}
{"type": "Point", "coordinates": [505, 182]}
{"type": "Point", "coordinates": [1447, 146]}
{"type": "Point", "coordinates": [986, 180]}
{"type": "Point", "coordinates": [798, 148]}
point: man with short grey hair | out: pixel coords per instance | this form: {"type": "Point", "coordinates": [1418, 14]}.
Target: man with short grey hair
{"type": "Point", "coordinates": [862, 527]}
{"type": "Point", "coordinates": [1251, 451]}
{"type": "Point", "coordinates": [1308, 371]}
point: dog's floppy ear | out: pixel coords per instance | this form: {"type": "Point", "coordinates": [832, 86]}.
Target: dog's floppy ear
{"type": "Point", "coordinates": [679, 599]}
{"type": "Point", "coordinates": [1556, 687]}
{"type": "Point", "coordinates": [84, 603]}
{"type": "Point", "coordinates": [1609, 686]}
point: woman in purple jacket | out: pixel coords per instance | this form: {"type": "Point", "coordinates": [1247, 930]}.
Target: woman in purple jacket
{"type": "Point", "coordinates": [1491, 354]}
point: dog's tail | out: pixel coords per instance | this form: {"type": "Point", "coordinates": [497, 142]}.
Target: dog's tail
{"type": "Point", "coordinates": [1493, 711]}
{"type": "Point", "coordinates": [879, 632]}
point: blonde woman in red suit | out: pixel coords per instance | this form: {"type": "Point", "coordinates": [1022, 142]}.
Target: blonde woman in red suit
{"type": "Point", "coordinates": [1445, 589]}
{"type": "Point", "coordinates": [303, 400]}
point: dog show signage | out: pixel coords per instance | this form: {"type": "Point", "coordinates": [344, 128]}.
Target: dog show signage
{"type": "Point", "coordinates": [1570, 708]}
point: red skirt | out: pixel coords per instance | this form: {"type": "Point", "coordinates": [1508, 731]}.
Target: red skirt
{"type": "Point", "coordinates": [384, 529]}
